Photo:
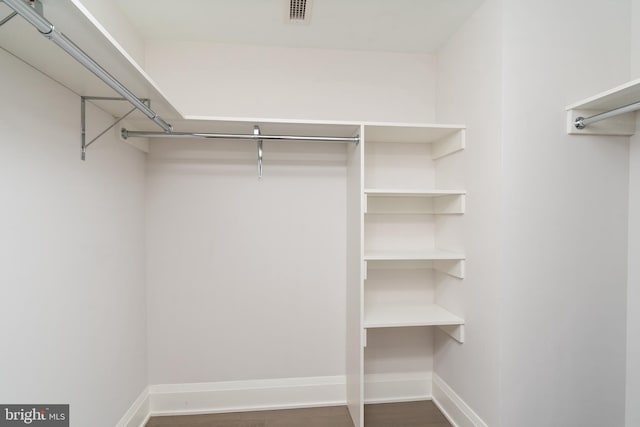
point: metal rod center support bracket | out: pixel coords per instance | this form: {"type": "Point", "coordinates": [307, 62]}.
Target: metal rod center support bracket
{"type": "Point", "coordinates": [256, 131]}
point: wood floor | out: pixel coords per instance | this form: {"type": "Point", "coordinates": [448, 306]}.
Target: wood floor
{"type": "Point", "coordinates": [412, 414]}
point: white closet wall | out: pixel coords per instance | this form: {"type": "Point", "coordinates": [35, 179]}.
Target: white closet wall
{"type": "Point", "coordinates": [468, 91]}
{"type": "Point", "coordinates": [559, 307]}
{"type": "Point", "coordinates": [563, 299]}
{"type": "Point", "coordinates": [72, 309]}
{"type": "Point", "coordinates": [246, 277]}
{"type": "Point", "coordinates": [289, 83]}
{"type": "Point", "coordinates": [633, 293]}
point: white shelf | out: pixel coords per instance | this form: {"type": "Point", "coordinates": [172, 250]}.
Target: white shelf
{"type": "Point", "coordinates": [413, 134]}
{"type": "Point", "coordinates": [618, 96]}
{"type": "Point", "coordinates": [69, 16]}
{"type": "Point", "coordinates": [446, 262]}
{"type": "Point", "coordinates": [426, 255]}
{"type": "Point", "coordinates": [444, 139]}
{"type": "Point", "coordinates": [24, 41]}
{"type": "Point", "coordinates": [378, 192]}
{"type": "Point", "coordinates": [409, 314]}
{"type": "Point", "coordinates": [408, 201]}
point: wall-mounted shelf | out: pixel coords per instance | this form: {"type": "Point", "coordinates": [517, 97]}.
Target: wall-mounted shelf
{"type": "Point", "coordinates": [408, 315]}
{"type": "Point", "coordinates": [620, 96]}
{"type": "Point", "coordinates": [401, 315]}
{"type": "Point", "coordinates": [444, 140]}
{"type": "Point", "coordinates": [425, 255]}
{"type": "Point", "coordinates": [69, 16]}
{"type": "Point", "coordinates": [406, 201]}
{"type": "Point", "coordinates": [446, 262]}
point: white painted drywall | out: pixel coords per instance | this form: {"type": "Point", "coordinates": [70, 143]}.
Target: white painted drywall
{"type": "Point", "coordinates": [563, 294]}
{"type": "Point", "coordinates": [72, 308]}
{"type": "Point", "coordinates": [205, 79]}
{"type": "Point", "coordinates": [469, 80]}
{"type": "Point", "coordinates": [246, 278]}
{"type": "Point", "coordinates": [633, 292]}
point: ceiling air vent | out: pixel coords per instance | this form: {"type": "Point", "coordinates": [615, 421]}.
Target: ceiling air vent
{"type": "Point", "coordinates": [299, 10]}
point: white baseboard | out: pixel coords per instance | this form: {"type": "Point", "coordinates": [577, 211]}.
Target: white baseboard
{"type": "Point", "coordinates": [390, 388]}
{"type": "Point", "coordinates": [453, 407]}
{"type": "Point", "coordinates": [240, 396]}
{"type": "Point", "coordinates": [289, 393]}
{"type": "Point", "coordinates": [138, 413]}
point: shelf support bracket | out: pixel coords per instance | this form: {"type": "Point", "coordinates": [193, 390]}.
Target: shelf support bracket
{"type": "Point", "coordinates": [8, 18]}
{"type": "Point", "coordinates": [454, 331]}
{"type": "Point", "coordinates": [83, 122]}
{"type": "Point", "coordinates": [454, 268]}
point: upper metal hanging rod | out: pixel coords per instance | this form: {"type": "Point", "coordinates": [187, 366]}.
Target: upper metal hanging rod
{"type": "Point", "coordinates": [130, 134]}
{"type": "Point", "coordinates": [583, 122]}
{"type": "Point", "coordinates": [48, 30]}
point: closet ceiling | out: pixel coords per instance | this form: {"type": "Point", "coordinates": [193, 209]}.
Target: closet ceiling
{"type": "Point", "coordinates": [419, 26]}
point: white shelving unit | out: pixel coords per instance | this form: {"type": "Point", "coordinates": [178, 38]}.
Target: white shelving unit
{"type": "Point", "coordinates": [409, 201]}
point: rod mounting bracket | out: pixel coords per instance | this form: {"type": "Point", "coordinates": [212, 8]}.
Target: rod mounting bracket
{"type": "Point", "coordinates": [256, 132]}
{"type": "Point", "coordinates": [83, 121]}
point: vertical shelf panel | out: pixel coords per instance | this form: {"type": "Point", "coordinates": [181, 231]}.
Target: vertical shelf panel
{"type": "Point", "coordinates": [356, 269]}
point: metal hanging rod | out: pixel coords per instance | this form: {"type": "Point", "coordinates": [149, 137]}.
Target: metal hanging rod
{"type": "Point", "coordinates": [48, 30]}
{"type": "Point", "coordinates": [133, 134]}
{"type": "Point", "coordinates": [255, 136]}
{"type": "Point", "coordinates": [583, 122]}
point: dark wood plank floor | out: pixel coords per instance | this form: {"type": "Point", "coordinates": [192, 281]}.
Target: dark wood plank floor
{"type": "Point", "coordinates": [412, 414]}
